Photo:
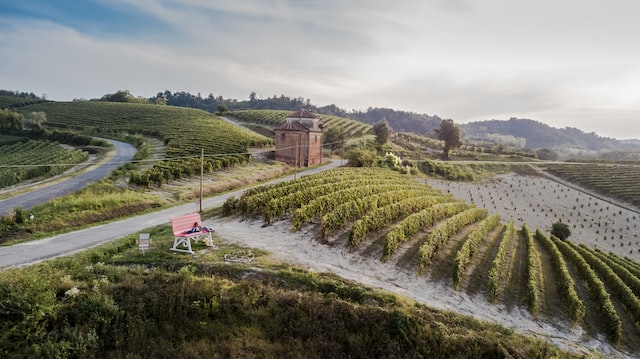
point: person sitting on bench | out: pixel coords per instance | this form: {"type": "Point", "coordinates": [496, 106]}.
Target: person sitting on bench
{"type": "Point", "coordinates": [195, 228]}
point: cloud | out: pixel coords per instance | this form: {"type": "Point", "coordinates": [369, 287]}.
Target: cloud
{"type": "Point", "coordinates": [462, 59]}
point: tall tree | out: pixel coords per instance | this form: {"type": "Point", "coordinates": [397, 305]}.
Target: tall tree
{"type": "Point", "coordinates": [334, 138]}
{"type": "Point", "coordinates": [381, 129]}
{"type": "Point", "coordinates": [449, 132]}
{"type": "Point", "coordinates": [10, 119]}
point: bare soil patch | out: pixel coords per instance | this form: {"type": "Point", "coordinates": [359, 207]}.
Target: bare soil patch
{"type": "Point", "coordinates": [480, 265]}
{"type": "Point", "coordinates": [552, 305]}
{"type": "Point", "coordinates": [514, 291]}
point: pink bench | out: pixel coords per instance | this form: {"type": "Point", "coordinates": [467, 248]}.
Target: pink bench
{"type": "Point", "coordinates": [182, 226]}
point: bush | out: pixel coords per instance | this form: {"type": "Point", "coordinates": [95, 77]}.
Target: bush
{"type": "Point", "coordinates": [560, 230]}
{"type": "Point", "coordinates": [361, 158]}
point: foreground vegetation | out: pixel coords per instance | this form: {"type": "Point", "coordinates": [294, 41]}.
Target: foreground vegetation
{"type": "Point", "coordinates": [115, 302]}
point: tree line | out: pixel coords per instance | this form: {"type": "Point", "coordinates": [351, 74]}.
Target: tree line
{"type": "Point", "coordinates": [21, 94]}
{"type": "Point", "coordinates": [399, 120]}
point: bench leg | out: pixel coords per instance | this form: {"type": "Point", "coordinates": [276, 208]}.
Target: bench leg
{"type": "Point", "coordinates": [184, 241]}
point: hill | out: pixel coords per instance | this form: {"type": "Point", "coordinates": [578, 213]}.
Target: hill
{"type": "Point", "coordinates": [537, 135]}
{"type": "Point", "coordinates": [185, 132]}
{"type": "Point", "coordinates": [515, 133]}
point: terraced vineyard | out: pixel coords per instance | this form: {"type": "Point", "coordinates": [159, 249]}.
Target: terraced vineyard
{"type": "Point", "coordinates": [275, 118]}
{"type": "Point", "coordinates": [616, 181]}
{"type": "Point", "coordinates": [416, 146]}
{"type": "Point", "coordinates": [23, 161]}
{"type": "Point", "coordinates": [184, 131]}
{"type": "Point", "coordinates": [404, 222]}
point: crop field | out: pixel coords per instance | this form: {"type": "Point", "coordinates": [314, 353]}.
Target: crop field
{"type": "Point", "coordinates": [416, 146]}
{"type": "Point", "coordinates": [539, 202]}
{"type": "Point", "coordinates": [27, 160]}
{"type": "Point", "coordinates": [184, 131]}
{"type": "Point", "coordinates": [615, 181]}
{"type": "Point", "coordinates": [274, 118]}
{"type": "Point", "coordinates": [409, 224]}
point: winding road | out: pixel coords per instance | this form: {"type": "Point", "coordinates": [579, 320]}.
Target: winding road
{"type": "Point", "coordinates": [68, 243]}
{"type": "Point", "coordinates": [124, 153]}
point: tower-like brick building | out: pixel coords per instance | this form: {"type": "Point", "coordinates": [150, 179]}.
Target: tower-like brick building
{"type": "Point", "coordinates": [299, 140]}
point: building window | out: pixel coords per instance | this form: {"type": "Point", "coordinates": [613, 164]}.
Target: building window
{"type": "Point", "coordinates": [316, 138]}
{"type": "Point", "coordinates": [282, 136]}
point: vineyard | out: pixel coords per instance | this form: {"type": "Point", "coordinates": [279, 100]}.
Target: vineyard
{"type": "Point", "coordinates": [401, 221]}
{"type": "Point", "coordinates": [273, 118]}
{"type": "Point", "coordinates": [616, 181]}
{"type": "Point", "coordinates": [416, 146]}
{"type": "Point", "coordinates": [184, 131]}
{"type": "Point", "coordinates": [539, 202]}
{"type": "Point", "coordinates": [28, 160]}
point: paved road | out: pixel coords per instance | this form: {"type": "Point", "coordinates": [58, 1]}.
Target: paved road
{"type": "Point", "coordinates": [124, 153]}
{"type": "Point", "coordinates": [69, 243]}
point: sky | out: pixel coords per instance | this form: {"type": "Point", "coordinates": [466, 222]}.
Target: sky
{"type": "Point", "coordinates": [566, 63]}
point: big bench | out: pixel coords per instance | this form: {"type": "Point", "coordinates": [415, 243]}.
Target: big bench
{"type": "Point", "coordinates": [181, 227]}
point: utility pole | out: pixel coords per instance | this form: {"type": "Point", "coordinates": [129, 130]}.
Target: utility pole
{"type": "Point", "coordinates": [201, 178]}
{"type": "Point", "coordinates": [295, 173]}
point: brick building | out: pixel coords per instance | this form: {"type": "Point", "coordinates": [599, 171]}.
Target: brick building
{"type": "Point", "coordinates": [299, 140]}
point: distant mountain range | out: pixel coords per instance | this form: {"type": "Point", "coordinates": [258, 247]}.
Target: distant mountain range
{"type": "Point", "coordinates": [514, 132]}
{"type": "Point", "coordinates": [537, 135]}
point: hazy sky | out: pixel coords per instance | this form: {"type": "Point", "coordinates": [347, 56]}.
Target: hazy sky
{"type": "Point", "coordinates": [565, 62]}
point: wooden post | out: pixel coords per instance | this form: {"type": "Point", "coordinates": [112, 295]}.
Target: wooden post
{"type": "Point", "coordinates": [201, 178]}
{"type": "Point", "coordinates": [295, 173]}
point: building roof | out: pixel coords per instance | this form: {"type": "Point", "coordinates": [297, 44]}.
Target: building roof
{"type": "Point", "coordinates": [302, 114]}
{"type": "Point", "coordinates": [292, 126]}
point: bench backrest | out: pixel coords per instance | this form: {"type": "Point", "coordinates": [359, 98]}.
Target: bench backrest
{"type": "Point", "coordinates": [184, 223]}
